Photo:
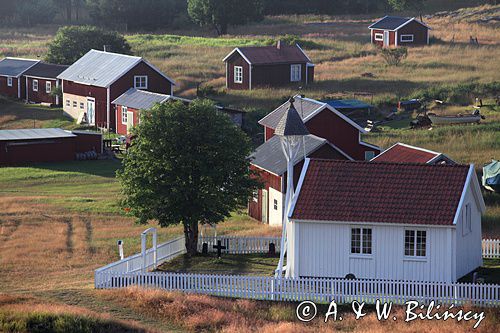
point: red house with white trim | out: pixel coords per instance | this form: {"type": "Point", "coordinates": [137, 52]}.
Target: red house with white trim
{"type": "Point", "coordinates": [12, 83]}
{"type": "Point", "coordinates": [41, 80]}
{"type": "Point", "coordinates": [91, 84]}
{"type": "Point", "coordinates": [394, 31]}
{"type": "Point", "coordinates": [403, 153]}
{"type": "Point", "coordinates": [267, 66]}
{"type": "Point", "coordinates": [333, 136]}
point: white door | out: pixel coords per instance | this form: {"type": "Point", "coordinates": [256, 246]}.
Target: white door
{"type": "Point", "coordinates": [264, 206]}
{"type": "Point", "coordinates": [275, 207]}
{"type": "Point", "coordinates": [91, 111]}
{"type": "Point", "coordinates": [130, 121]}
{"type": "Point", "coordinates": [386, 38]}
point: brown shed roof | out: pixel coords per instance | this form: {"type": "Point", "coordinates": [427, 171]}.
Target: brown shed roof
{"type": "Point", "coordinates": [268, 55]}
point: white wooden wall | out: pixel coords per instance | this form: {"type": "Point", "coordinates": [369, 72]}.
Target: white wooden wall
{"type": "Point", "coordinates": [275, 215]}
{"type": "Point", "coordinates": [468, 245]}
{"type": "Point", "coordinates": [324, 251]}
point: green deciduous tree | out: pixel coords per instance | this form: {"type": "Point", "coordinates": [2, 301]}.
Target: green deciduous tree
{"type": "Point", "coordinates": [32, 12]}
{"type": "Point", "coordinates": [220, 14]}
{"type": "Point", "coordinates": [72, 42]}
{"type": "Point", "coordinates": [400, 5]}
{"type": "Point", "coordinates": [187, 164]}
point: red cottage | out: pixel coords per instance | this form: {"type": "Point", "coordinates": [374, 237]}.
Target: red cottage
{"type": "Point", "coordinates": [267, 66]}
{"type": "Point", "coordinates": [96, 79]}
{"type": "Point", "coordinates": [399, 31]}
{"type": "Point", "coordinates": [11, 80]}
{"type": "Point", "coordinates": [333, 136]}
{"type": "Point", "coordinates": [40, 81]}
{"type": "Point", "coordinates": [403, 153]}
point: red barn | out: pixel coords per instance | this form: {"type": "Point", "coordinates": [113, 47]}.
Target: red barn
{"type": "Point", "coordinates": [403, 153]}
{"type": "Point", "coordinates": [267, 66]}
{"type": "Point", "coordinates": [96, 79]}
{"type": "Point", "coordinates": [24, 146]}
{"type": "Point", "coordinates": [11, 80]}
{"type": "Point", "coordinates": [333, 136]}
{"type": "Point", "coordinates": [399, 31]}
{"type": "Point", "coordinates": [40, 81]}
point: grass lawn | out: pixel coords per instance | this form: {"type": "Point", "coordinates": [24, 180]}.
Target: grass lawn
{"type": "Point", "coordinates": [490, 272]}
{"type": "Point", "coordinates": [244, 264]}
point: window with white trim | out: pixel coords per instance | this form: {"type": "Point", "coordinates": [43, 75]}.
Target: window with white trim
{"type": "Point", "coordinates": [415, 243]}
{"type": "Point", "coordinates": [275, 204]}
{"type": "Point", "coordinates": [35, 85]}
{"type": "Point", "coordinates": [9, 81]}
{"type": "Point", "coordinates": [361, 241]}
{"type": "Point", "coordinates": [141, 82]}
{"type": "Point", "coordinates": [48, 87]}
{"type": "Point", "coordinates": [82, 105]}
{"type": "Point", "coordinates": [124, 115]}
{"type": "Point", "coordinates": [68, 103]}
{"type": "Point", "coordinates": [238, 74]}
{"type": "Point", "coordinates": [379, 37]}
{"type": "Point", "coordinates": [466, 220]}
{"type": "Point", "coordinates": [295, 73]}
{"type": "Point", "coordinates": [406, 38]}
{"type": "Point", "coordinates": [255, 196]}
{"type": "Point", "coordinates": [75, 104]}
{"type": "Point", "coordinates": [369, 155]}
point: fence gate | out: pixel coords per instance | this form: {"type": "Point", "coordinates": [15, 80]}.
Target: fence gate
{"type": "Point", "coordinates": [144, 236]}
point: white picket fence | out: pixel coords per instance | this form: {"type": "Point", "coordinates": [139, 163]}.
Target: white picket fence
{"type": "Point", "coordinates": [240, 245]}
{"type": "Point", "coordinates": [321, 290]}
{"type": "Point", "coordinates": [491, 248]}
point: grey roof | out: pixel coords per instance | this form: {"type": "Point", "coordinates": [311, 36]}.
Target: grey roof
{"type": "Point", "coordinates": [46, 70]}
{"type": "Point", "coordinates": [34, 133]}
{"type": "Point", "coordinates": [390, 22]}
{"type": "Point", "coordinates": [304, 107]}
{"type": "Point", "coordinates": [270, 157]}
{"type": "Point", "coordinates": [15, 66]}
{"type": "Point", "coordinates": [140, 99]}
{"type": "Point", "coordinates": [291, 123]}
{"type": "Point", "coordinates": [101, 69]}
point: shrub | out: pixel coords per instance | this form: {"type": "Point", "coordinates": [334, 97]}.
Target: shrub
{"type": "Point", "coordinates": [294, 39]}
{"type": "Point", "coordinates": [393, 57]}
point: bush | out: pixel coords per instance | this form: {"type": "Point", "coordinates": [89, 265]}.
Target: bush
{"type": "Point", "coordinates": [294, 39]}
{"type": "Point", "coordinates": [393, 57]}
{"type": "Point", "coordinates": [72, 42]}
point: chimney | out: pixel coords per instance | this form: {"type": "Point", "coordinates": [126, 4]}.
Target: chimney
{"type": "Point", "coordinates": [107, 48]}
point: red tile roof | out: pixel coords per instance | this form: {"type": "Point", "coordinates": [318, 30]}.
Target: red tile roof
{"type": "Point", "coordinates": [406, 154]}
{"type": "Point", "coordinates": [265, 55]}
{"type": "Point", "coordinates": [380, 192]}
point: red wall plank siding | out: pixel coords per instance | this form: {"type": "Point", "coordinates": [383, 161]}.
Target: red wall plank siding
{"type": "Point", "coordinates": [237, 60]}
{"type": "Point", "coordinates": [120, 127]}
{"type": "Point", "coordinates": [6, 90]}
{"type": "Point", "coordinates": [268, 180]}
{"type": "Point", "coordinates": [275, 75]}
{"type": "Point", "coordinates": [377, 42]}
{"type": "Point", "coordinates": [40, 96]}
{"type": "Point", "coordinates": [35, 151]}
{"type": "Point", "coordinates": [268, 133]}
{"type": "Point", "coordinates": [418, 31]}
{"type": "Point", "coordinates": [88, 142]}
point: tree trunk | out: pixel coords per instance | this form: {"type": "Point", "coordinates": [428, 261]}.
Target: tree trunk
{"type": "Point", "coordinates": [191, 237]}
{"type": "Point", "coordinates": [68, 11]}
{"type": "Point", "coordinates": [223, 29]}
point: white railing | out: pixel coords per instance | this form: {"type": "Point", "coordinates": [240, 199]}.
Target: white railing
{"type": "Point", "coordinates": [240, 245]}
{"type": "Point", "coordinates": [321, 290]}
{"type": "Point", "coordinates": [134, 263]}
{"type": "Point", "coordinates": [491, 248]}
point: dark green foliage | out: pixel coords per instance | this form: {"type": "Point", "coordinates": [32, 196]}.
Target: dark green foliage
{"type": "Point", "coordinates": [294, 39]}
{"type": "Point", "coordinates": [393, 57]}
{"type": "Point", "coordinates": [72, 42]}
{"type": "Point", "coordinates": [400, 5]}
{"type": "Point", "coordinates": [136, 14]}
{"type": "Point", "coordinates": [27, 12]}
{"type": "Point", "coordinates": [187, 164]}
{"type": "Point", "coordinates": [220, 14]}
{"type": "Point", "coordinates": [463, 93]}
{"type": "Point", "coordinates": [331, 7]}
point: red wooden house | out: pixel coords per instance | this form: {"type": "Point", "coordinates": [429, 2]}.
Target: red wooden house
{"type": "Point", "coordinates": [333, 136]}
{"type": "Point", "coordinates": [40, 81]}
{"type": "Point", "coordinates": [96, 79]}
{"type": "Point", "coordinates": [399, 31]}
{"type": "Point", "coordinates": [11, 80]}
{"type": "Point", "coordinates": [267, 66]}
{"type": "Point", "coordinates": [403, 153]}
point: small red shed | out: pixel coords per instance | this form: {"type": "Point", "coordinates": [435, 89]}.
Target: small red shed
{"type": "Point", "coordinates": [11, 80]}
{"type": "Point", "coordinates": [393, 31]}
{"type": "Point", "coordinates": [267, 66]}
{"type": "Point", "coordinates": [41, 80]}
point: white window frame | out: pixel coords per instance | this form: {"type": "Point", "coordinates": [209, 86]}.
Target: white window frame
{"type": "Point", "coordinates": [255, 196]}
{"type": "Point", "coordinates": [138, 79]}
{"type": "Point", "coordinates": [369, 155]}
{"type": "Point", "coordinates": [68, 103]}
{"type": "Point", "coordinates": [75, 104]}
{"type": "Point", "coordinates": [408, 40]}
{"type": "Point", "coordinates": [124, 115]}
{"type": "Point", "coordinates": [48, 87]}
{"type": "Point", "coordinates": [238, 74]}
{"type": "Point", "coordinates": [275, 204]}
{"type": "Point", "coordinates": [35, 85]}
{"type": "Point", "coordinates": [414, 255]}
{"type": "Point", "coordinates": [379, 37]}
{"type": "Point", "coordinates": [467, 220]}
{"type": "Point", "coordinates": [10, 81]}
{"type": "Point", "coordinates": [362, 247]}
{"type": "Point", "coordinates": [295, 76]}
{"type": "Point", "coordinates": [82, 105]}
